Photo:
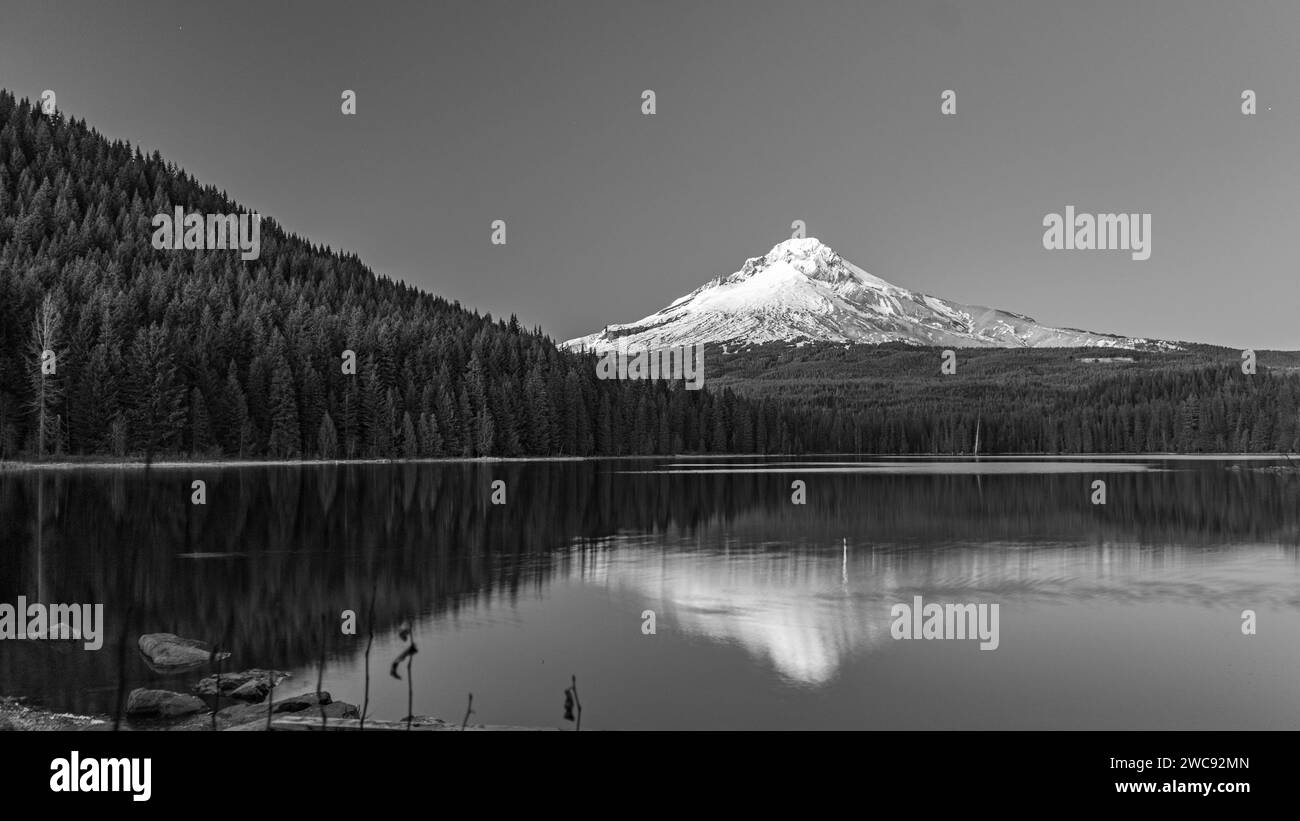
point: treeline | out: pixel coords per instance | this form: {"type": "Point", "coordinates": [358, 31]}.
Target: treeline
{"type": "Point", "coordinates": [201, 354]}
{"type": "Point", "coordinates": [1210, 410]}
{"type": "Point", "coordinates": [894, 399]}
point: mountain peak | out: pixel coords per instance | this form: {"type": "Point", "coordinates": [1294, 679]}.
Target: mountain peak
{"type": "Point", "coordinates": [799, 246]}
{"type": "Point", "coordinates": [808, 256]}
{"type": "Point", "coordinates": [803, 291]}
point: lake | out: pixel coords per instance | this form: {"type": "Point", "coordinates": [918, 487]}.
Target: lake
{"type": "Point", "coordinates": [767, 614]}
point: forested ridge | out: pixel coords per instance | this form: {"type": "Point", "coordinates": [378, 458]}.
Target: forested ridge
{"type": "Point", "coordinates": [201, 354]}
{"type": "Point", "coordinates": [1033, 400]}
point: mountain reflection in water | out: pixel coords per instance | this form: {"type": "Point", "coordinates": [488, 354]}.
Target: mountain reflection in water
{"type": "Point", "coordinates": [768, 613]}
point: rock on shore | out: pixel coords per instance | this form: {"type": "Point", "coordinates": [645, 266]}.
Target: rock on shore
{"type": "Point", "coordinates": [167, 651]}
{"type": "Point", "coordinates": [162, 704]}
{"type": "Point", "coordinates": [249, 685]}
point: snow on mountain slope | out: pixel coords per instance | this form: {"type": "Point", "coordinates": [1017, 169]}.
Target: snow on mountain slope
{"type": "Point", "coordinates": [802, 291]}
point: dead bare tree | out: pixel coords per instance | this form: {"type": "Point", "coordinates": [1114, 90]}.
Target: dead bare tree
{"type": "Point", "coordinates": [570, 702]}
{"type": "Point", "coordinates": [270, 697]}
{"type": "Point", "coordinates": [469, 710]}
{"type": "Point", "coordinates": [45, 386]}
{"type": "Point", "coordinates": [407, 635]}
{"type": "Point", "coordinates": [370, 626]}
{"type": "Point", "coordinates": [320, 674]}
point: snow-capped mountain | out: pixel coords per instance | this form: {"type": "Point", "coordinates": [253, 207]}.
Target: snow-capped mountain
{"type": "Point", "coordinates": [802, 291]}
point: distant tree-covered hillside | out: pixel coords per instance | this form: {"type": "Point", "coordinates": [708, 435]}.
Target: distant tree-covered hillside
{"type": "Point", "coordinates": [894, 398]}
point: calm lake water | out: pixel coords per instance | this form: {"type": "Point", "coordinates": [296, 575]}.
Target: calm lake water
{"type": "Point", "coordinates": [768, 614]}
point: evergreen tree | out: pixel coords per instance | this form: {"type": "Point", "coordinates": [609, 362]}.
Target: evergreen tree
{"type": "Point", "coordinates": [312, 408]}
{"type": "Point", "coordinates": [285, 440]}
{"type": "Point", "coordinates": [485, 430]}
{"type": "Point", "coordinates": [538, 424]}
{"type": "Point", "coordinates": [470, 425]}
{"type": "Point", "coordinates": [157, 413]}
{"type": "Point", "coordinates": [351, 419]}
{"type": "Point", "coordinates": [374, 413]}
{"type": "Point", "coordinates": [201, 441]}
{"type": "Point", "coordinates": [410, 444]}
{"type": "Point", "coordinates": [430, 438]}
{"type": "Point", "coordinates": [233, 420]}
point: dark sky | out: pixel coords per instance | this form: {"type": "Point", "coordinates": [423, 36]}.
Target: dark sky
{"type": "Point", "coordinates": [767, 112]}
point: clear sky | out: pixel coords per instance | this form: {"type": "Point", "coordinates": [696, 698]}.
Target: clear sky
{"type": "Point", "coordinates": [829, 112]}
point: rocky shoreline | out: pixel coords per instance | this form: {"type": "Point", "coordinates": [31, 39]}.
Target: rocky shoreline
{"type": "Point", "coordinates": [242, 701]}
{"type": "Point", "coordinates": [15, 715]}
